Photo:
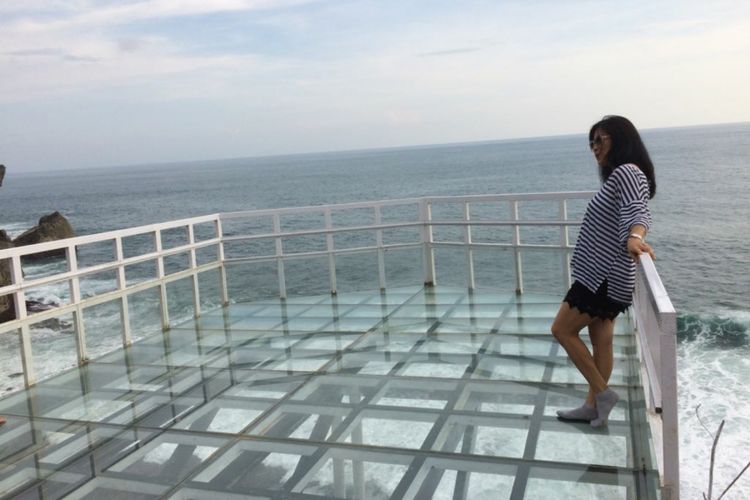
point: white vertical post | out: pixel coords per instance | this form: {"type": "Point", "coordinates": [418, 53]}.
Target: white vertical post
{"type": "Point", "coordinates": [279, 255]}
{"type": "Point", "coordinates": [565, 242]}
{"type": "Point", "coordinates": [339, 481]}
{"type": "Point", "coordinates": [162, 284]}
{"type": "Point", "coordinates": [193, 266]}
{"type": "Point", "coordinates": [469, 251]}
{"type": "Point", "coordinates": [19, 302]}
{"type": "Point", "coordinates": [330, 249]}
{"type": "Point", "coordinates": [425, 216]}
{"type": "Point", "coordinates": [516, 248]}
{"type": "Point", "coordinates": [358, 467]}
{"type": "Point", "coordinates": [223, 269]}
{"type": "Point", "coordinates": [127, 338]}
{"type": "Point", "coordinates": [75, 298]}
{"type": "Point", "coordinates": [670, 431]}
{"type": "Point", "coordinates": [379, 244]}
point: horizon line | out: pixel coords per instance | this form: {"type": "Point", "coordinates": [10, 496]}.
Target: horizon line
{"type": "Point", "coordinates": [349, 151]}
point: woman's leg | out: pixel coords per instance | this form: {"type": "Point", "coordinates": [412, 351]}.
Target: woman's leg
{"type": "Point", "coordinates": [601, 332]}
{"type": "Point", "coordinates": [566, 327]}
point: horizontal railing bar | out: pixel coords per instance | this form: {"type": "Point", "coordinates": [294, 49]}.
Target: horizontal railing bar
{"type": "Point", "coordinates": [530, 246]}
{"type": "Point", "coordinates": [109, 266]}
{"type": "Point", "coordinates": [482, 198]}
{"type": "Point", "coordinates": [316, 208]}
{"type": "Point", "coordinates": [520, 222]}
{"type": "Point", "coordinates": [322, 253]}
{"type": "Point", "coordinates": [322, 231]}
{"type": "Point", "coordinates": [99, 237]}
{"type": "Point", "coordinates": [396, 246]}
{"type": "Point", "coordinates": [105, 297]}
{"type": "Point", "coordinates": [401, 225]}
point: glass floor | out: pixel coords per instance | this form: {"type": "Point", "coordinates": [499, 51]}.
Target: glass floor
{"type": "Point", "coordinates": [409, 393]}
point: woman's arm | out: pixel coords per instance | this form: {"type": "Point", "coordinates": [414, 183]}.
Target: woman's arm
{"type": "Point", "coordinates": [637, 242]}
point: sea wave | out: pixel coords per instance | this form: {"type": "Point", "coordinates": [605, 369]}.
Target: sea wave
{"type": "Point", "coordinates": [725, 329]}
{"type": "Point", "coordinates": [15, 229]}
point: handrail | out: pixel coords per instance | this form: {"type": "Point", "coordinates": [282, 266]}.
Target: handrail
{"type": "Point", "coordinates": [656, 322]}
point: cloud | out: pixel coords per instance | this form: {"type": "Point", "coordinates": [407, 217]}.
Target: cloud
{"type": "Point", "coordinates": [450, 52]}
{"type": "Point", "coordinates": [290, 74]}
{"type": "Point", "coordinates": [50, 53]}
{"type": "Point", "coordinates": [149, 10]}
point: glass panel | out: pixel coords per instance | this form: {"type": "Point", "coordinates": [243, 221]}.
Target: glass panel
{"type": "Point", "coordinates": [223, 415]}
{"type": "Point", "coordinates": [497, 437]}
{"type": "Point", "coordinates": [169, 457]}
{"type": "Point", "coordinates": [397, 429]}
{"type": "Point", "coordinates": [566, 442]}
{"type": "Point", "coordinates": [415, 394]}
{"type": "Point", "coordinates": [300, 421]}
{"type": "Point", "coordinates": [448, 479]}
{"type": "Point", "coordinates": [585, 483]}
{"type": "Point", "coordinates": [253, 468]}
{"type": "Point", "coordinates": [354, 474]}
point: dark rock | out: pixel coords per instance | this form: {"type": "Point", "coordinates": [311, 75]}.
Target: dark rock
{"type": "Point", "coordinates": [35, 306]}
{"type": "Point", "coordinates": [7, 307]}
{"type": "Point", "coordinates": [2, 174]}
{"type": "Point", "coordinates": [51, 227]}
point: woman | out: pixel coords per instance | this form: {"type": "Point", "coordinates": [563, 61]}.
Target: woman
{"type": "Point", "coordinates": [611, 239]}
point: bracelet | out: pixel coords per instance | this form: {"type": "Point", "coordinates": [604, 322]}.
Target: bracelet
{"type": "Point", "coordinates": [636, 235]}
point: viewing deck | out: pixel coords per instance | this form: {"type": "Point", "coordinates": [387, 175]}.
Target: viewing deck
{"type": "Point", "coordinates": [404, 393]}
{"type": "Point", "coordinates": [411, 388]}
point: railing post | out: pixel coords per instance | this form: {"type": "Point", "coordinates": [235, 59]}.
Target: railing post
{"type": "Point", "coordinates": [279, 255]}
{"type": "Point", "coordinates": [425, 217]}
{"type": "Point", "coordinates": [193, 265]}
{"type": "Point", "coordinates": [75, 296]}
{"type": "Point", "coordinates": [516, 248]}
{"type": "Point", "coordinates": [162, 283]}
{"type": "Point", "coordinates": [19, 302]}
{"type": "Point", "coordinates": [670, 427]}
{"type": "Point", "coordinates": [330, 249]}
{"type": "Point", "coordinates": [565, 242]}
{"type": "Point", "coordinates": [469, 251]}
{"type": "Point", "coordinates": [223, 269]}
{"type": "Point", "coordinates": [379, 244]}
{"type": "Point", "coordinates": [127, 338]}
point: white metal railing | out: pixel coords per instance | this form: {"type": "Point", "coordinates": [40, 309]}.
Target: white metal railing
{"type": "Point", "coordinates": [654, 313]}
{"type": "Point", "coordinates": [118, 264]}
{"type": "Point", "coordinates": [656, 322]}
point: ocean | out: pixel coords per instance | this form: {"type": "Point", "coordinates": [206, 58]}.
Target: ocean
{"type": "Point", "coordinates": [701, 228]}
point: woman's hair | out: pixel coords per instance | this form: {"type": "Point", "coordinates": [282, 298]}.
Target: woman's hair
{"type": "Point", "coordinates": [626, 146]}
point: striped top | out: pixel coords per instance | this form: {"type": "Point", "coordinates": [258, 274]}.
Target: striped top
{"type": "Point", "coordinates": [601, 250]}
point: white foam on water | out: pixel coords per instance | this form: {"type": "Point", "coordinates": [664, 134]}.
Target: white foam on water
{"type": "Point", "coordinates": [715, 379]}
{"type": "Point", "coordinates": [734, 314]}
{"type": "Point", "coordinates": [15, 229]}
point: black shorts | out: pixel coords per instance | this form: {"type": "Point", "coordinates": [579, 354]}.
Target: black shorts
{"type": "Point", "coordinates": [596, 305]}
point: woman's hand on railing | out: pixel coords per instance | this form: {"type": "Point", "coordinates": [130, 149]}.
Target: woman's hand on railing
{"type": "Point", "coordinates": [637, 246]}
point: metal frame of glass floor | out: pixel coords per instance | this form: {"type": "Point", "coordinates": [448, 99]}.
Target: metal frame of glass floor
{"type": "Point", "coordinates": [432, 392]}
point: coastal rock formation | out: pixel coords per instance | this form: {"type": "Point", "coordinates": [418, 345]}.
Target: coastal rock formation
{"type": "Point", "coordinates": [2, 174]}
{"type": "Point", "coordinates": [7, 311]}
{"type": "Point", "coordinates": [51, 227]}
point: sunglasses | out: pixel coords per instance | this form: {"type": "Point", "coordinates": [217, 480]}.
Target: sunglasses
{"type": "Point", "coordinates": [598, 141]}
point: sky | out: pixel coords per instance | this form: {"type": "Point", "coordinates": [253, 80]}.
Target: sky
{"type": "Point", "coordinates": [90, 83]}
